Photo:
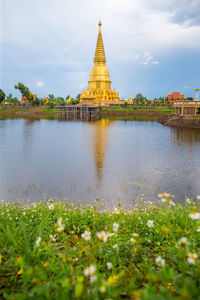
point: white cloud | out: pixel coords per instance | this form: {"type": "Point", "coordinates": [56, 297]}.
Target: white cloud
{"type": "Point", "coordinates": [40, 83]}
{"type": "Point", "coordinates": [148, 59]}
{"type": "Point", "coordinates": [65, 49]}
{"type": "Point", "coordinates": [145, 59]}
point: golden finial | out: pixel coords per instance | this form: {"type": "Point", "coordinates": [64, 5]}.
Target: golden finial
{"type": "Point", "coordinates": [99, 52]}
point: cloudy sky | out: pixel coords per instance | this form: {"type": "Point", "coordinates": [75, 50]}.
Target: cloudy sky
{"type": "Point", "coordinates": [152, 47]}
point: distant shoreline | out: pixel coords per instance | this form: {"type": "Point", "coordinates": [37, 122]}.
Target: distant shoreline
{"type": "Point", "coordinates": [161, 115]}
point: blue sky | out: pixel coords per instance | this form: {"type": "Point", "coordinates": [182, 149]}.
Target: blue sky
{"type": "Point", "coordinates": [152, 47]}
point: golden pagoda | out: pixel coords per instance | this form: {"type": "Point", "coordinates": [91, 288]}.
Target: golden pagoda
{"type": "Point", "coordinates": [99, 90]}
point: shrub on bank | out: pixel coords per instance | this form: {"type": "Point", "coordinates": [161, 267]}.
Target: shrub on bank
{"type": "Point", "coordinates": [53, 250]}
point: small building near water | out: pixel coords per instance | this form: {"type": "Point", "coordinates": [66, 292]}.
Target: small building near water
{"type": "Point", "coordinates": [186, 108]}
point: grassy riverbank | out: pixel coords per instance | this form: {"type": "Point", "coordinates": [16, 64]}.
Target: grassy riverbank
{"type": "Point", "coordinates": [40, 112]}
{"type": "Point", "coordinates": [162, 109]}
{"type": "Point", "coordinates": [115, 113]}
{"type": "Point", "coordinates": [136, 113]}
{"type": "Point", "coordinates": [56, 251]}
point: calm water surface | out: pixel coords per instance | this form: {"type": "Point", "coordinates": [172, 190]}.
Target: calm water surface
{"type": "Point", "coordinates": [81, 160]}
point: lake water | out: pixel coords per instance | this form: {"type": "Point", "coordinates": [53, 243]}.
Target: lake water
{"type": "Point", "coordinates": [114, 160]}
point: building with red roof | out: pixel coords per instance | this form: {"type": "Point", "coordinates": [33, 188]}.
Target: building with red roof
{"type": "Point", "coordinates": [175, 96]}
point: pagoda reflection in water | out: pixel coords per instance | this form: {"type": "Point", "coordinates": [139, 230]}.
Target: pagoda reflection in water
{"type": "Point", "coordinates": [99, 143]}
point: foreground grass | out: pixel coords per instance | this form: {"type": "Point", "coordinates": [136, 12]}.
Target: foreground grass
{"type": "Point", "coordinates": [52, 250]}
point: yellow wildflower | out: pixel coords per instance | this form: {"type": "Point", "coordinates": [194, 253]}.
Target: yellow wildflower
{"type": "Point", "coordinates": [112, 279]}
{"type": "Point", "coordinates": [165, 230]}
{"type": "Point", "coordinates": [20, 272]}
{"type": "Point", "coordinates": [64, 258]}
{"type": "Point", "coordinates": [135, 295]}
{"type": "Point", "coordinates": [59, 229]}
{"type": "Point", "coordinates": [69, 259]}
{"type": "Point", "coordinates": [18, 259]}
{"type": "Point", "coordinates": [45, 264]}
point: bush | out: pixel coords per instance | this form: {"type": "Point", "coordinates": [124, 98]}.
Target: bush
{"type": "Point", "coordinates": [51, 104]}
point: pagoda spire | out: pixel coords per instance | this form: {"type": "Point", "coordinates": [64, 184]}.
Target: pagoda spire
{"type": "Point", "coordinates": [99, 56]}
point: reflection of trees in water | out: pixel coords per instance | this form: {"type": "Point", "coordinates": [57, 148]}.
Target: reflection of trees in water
{"type": "Point", "coordinates": [180, 136]}
{"type": "Point", "coordinates": [99, 144]}
{"type": "Point", "coordinates": [28, 135]}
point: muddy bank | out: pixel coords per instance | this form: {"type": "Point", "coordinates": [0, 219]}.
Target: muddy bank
{"type": "Point", "coordinates": [174, 121]}
{"type": "Point", "coordinates": [184, 123]}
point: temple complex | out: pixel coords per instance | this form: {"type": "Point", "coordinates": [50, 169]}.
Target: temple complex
{"type": "Point", "coordinates": [99, 90]}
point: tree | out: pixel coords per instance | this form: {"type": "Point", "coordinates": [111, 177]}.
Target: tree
{"type": "Point", "coordinates": [78, 97]}
{"type": "Point", "coordinates": [9, 99]}
{"type": "Point", "coordinates": [74, 101]}
{"type": "Point", "coordinates": [139, 97]}
{"type": "Point", "coordinates": [2, 95]}
{"type": "Point", "coordinates": [60, 101]}
{"type": "Point", "coordinates": [24, 91]}
{"type": "Point", "coordinates": [37, 101]}
{"type": "Point", "coordinates": [51, 97]}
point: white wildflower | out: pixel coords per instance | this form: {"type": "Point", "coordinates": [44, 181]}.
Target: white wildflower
{"type": "Point", "coordinates": [102, 236]}
{"type": "Point", "coordinates": [86, 235]}
{"type": "Point", "coordinates": [135, 234]}
{"type": "Point", "coordinates": [195, 215]}
{"type": "Point", "coordinates": [191, 258]}
{"type": "Point", "coordinates": [61, 226]}
{"type": "Point", "coordinates": [166, 198]}
{"type": "Point", "coordinates": [160, 261]}
{"type": "Point", "coordinates": [183, 241]}
{"type": "Point", "coordinates": [150, 224]}
{"type": "Point", "coordinates": [132, 241]}
{"type": "Point", "coordinates": [189, 200]}
{"type": "Point", "coordinates": [38, 240]}
{"type": "Point", "coordinates": [93, 278]}
{"type": "Point", "coordinates": [59, 221]}
{"type": "Point", "coordinates": [116, 210]}
{"type": "Point", "coordinates": [115, 227]}
{"type": "Point", "coordinates": [89, 271]}
{"type": "Point", "coordinates": [164, 195]}
{"type": "Point", "coordinates": [53, 238]}
{"type": "Point", "coordinates": [51, 206]}
{"type": "Point", "coordinates": [109, 265]}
